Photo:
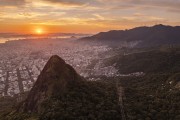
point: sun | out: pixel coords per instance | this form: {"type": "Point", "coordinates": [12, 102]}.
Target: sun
{"type": "Point", "coordinates": [39, 31]}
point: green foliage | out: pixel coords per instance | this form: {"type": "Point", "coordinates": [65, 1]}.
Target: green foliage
{"type": "Point", "coordinates": [155, 61]}
{"type": "Point", "coordinates": [7, 104]}
{"type": "Point", "coordinates": [151, 97]}
{"type": "Point", "coordinates": [90, 100]}
{"type": "Point", "coordinates": [82, 101]}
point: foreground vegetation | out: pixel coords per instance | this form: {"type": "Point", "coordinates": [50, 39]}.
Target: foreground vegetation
{"type": "Point", "coordinates": [85, 101]}
{"type": "Point", "coordinates": [155, 95]}
{"type": "Point", "coordinates": [152, 97]}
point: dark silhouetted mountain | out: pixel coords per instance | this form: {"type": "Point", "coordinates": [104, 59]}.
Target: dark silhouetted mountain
{"type": "Point", "coordinates": [53, 81]}
{"type": "Point", "coordinates": [61, 94]}
{"type": "Point", "coordinates": [147, 36]}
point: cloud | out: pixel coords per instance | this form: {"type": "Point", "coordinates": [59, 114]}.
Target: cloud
{"type": "Point", "coordinates": [1, 13]}
{"type": "Point", "coordinates": [143, 18]}
{"type": "Point", "coordinates": [67, 2]}
{"type": "Point", "coordinates": [138, 14]}
{"type": "Point", "coordinates": [8, 3]}
{"type": "Point", "coordinates": [25, 14]}
{"type": "Point", "coordinates": [99, 16]}
{"type": "Point", "coordinates": [15, 3]}
{"type": "Point", "coordinates": [169, 5]}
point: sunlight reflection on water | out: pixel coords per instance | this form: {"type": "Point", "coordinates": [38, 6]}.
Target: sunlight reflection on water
{"type": "Point", "coordinates": [4, 40]}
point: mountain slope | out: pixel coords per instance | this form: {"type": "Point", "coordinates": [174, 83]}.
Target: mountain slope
{"type": "Point", "coordinates": [53, 80]}
{"type": "Point", "coordinates": [60, 93]}
{"type": "Point", "coordinates": [145, 36]}
{"type": "Point", "coordinates": [155, 61]}
{"type": "Point", "coordinates": [154, 95]}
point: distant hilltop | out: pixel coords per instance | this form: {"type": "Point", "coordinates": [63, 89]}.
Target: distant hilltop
{"type": "Point", "coordinates": [141, 36]}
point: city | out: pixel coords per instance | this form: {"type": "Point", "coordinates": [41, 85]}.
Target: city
{"type": "Point", "coordinates": [22, 61]}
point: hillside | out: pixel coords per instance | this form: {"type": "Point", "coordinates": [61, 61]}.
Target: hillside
{"type": "Point", "coordinates": [141, 36]}
{"type": "Point", "coordinates": [154, 61]}
{"type": "Point", "coordinates": [61, 94]}
{"type": "Point", "coordinates": [154, 95]}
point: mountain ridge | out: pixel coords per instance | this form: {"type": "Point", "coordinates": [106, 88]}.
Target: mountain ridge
{"type": "Point", "coordinates": [147, 36]}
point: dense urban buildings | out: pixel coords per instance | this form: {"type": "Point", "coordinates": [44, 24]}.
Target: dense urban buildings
{"type": "Point", "coordinates": [22, 61]}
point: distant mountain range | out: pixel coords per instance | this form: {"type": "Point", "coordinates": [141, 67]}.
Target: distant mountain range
{"type": "Point", "coordinates": [140, 37]}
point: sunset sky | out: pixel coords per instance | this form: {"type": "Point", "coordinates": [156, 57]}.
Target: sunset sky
{"type": "Point", "coordinates": [85, 16]}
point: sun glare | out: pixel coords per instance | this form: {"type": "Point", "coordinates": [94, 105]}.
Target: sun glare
{"type": "Point", "coordinates": [39, 31]}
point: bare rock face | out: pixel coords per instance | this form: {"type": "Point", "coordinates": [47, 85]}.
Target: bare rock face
{"type": "Point", "coordinates": [53, 81]}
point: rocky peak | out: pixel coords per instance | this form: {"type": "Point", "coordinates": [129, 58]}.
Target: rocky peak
{"type": "Point", "coordinates": [52, 81]}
